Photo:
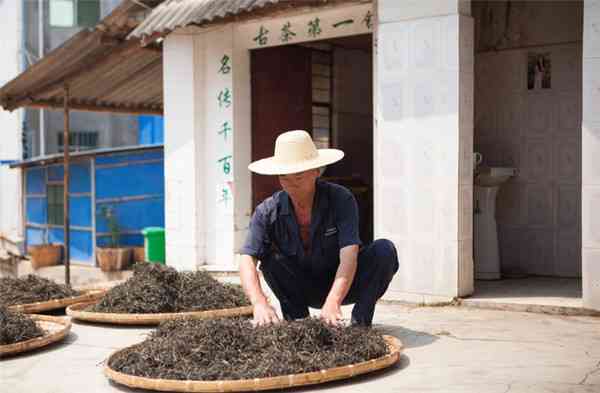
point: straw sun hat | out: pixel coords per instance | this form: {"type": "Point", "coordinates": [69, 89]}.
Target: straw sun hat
{"type": "Point", "coordinates": [295, 152]}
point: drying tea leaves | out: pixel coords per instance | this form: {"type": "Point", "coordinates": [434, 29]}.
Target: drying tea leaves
{"type": "Point", "coordinates": [32, 289]}
{"type": "Point", "coordinates": [16, 327]}
{"type": "Point", "coordinates": [156, 288]}
{"type": "Point", "coordinates": [231, 348]}
{"type": "Point", "coordinates": [199, 291]}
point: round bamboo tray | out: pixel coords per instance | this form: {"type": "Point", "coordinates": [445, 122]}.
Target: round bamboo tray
{"type": "Point", "coordinates": [56, 329]}
{"type": "Point", "coordinates": [76, 311]}
{"type": "Point", "coordinates": [54, 304]}
{"type": "Point", "coordinates": [242, 385]}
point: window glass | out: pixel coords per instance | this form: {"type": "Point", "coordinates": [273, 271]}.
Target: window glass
{"type": "Point", "coordinates": [55, 204]}
{"type": "Point", "coordinates": [88, 12]}
{"type": "Point", "coordinates": [62, 13]}
{"type": "Point", "coordinates": [321, 97]}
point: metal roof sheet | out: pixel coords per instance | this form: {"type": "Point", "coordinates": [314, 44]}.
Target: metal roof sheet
{"type": "Point", "coordinates": [172, 14]}
{"type": "Point", "coordinates": [104, 72]}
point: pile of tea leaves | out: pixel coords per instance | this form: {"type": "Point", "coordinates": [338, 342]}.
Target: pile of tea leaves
{"type": "Point", "coordinates": [32, 289]}
{"type": "Point", "coordinates": [231, 348]}
{"type": "Point", "coordinates": [16, 327]}
{"type": "Point", "coordinates": [156, 288]}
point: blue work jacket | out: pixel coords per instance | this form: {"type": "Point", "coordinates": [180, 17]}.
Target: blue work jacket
{"type": "Point", "coordinates": [334, 225]}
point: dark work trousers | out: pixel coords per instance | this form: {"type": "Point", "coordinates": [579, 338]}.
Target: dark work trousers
{"type": "Point", "coordinates": [297, 288]}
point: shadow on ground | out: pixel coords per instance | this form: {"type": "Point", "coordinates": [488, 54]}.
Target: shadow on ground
{"type": "Point", "coordinates": [410, 338]}
{"type": "Point", "coordinates": [56, 346]}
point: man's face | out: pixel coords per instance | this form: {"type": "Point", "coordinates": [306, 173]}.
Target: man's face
{"type": "Point", "coordinates": [299, 184]}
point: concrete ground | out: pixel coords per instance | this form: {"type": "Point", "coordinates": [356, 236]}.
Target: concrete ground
{"type": "Point", "coordinates": [448, 349]}
{"type": "Point", "coordinates": [548, 291]}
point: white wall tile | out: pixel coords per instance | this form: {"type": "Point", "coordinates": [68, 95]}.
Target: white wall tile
{"type": "Point", "coordinates": [466, 44]}
{"type": "Point", "coordinates": [394, 49]}
{"type": "Point", "coordinates": [451, 52]}
{"type": "Point", "coordinates": [392, 101]}
{"type": "Point", "coordinates": [590, 153]}
{"type": "Point", "coordinates": [591, 90]}
{"type": "Point", "coordinates": [510, 241]}
{"type": "Point", "coordinates": [420, 267]}
{"type": "Point", "coordinates": [509, 117]}
{"type": "Point", "coordinates": [447, 213]}
{"type": "Point", "coordinates": [567, 161]}
{"type": "Point", "coordinates": [540, 115]}
{"type": "Point", "coordinates": [394, 10]}
{"type": "Point", "coordinates": [510, 209]}
{"type": "Point", "coordinates": [466, 156]}
{"type": "Point", "coordinates": [568, 207]}
{"type": "Point", "coordinates": [569, 114]}
{"type": "Point", "coordinates": [466, 99]}
{"type": "Point", "coordinates": [566, 67]}
{"type": "Point", "coordinates": [466, 269]}
{"type": "Point", "coordinates": [591, 278]}
{"type": "Point", "coordinates": [394, 157]}
{"type": "Point", "coordinates": [466, 212]}
{"type": "Point", "coordinates": [591, 34]}
{"type": "Point", "coordinates": [590, 225]}
{"type": "Point", "coordinates": [568, 254]}
{"type": "Point", "coordinates": [485, 120]}
{"type": "Point", "coordinates": [426, 43]}
{"type": "Point", "coordinates": [540, 212]}
{"type": "Point", "coordinates": [395, 222]}
{"type": "Point", "coordinates": [445, 273]}
{"type": "Point", "coordinates": [538, 251]}
{"type": "Point", "coordinates": [536, 159]}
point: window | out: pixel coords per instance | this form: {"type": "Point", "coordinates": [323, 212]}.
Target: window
{"type": "Point", "coordinates": [72, 13]}
{"type": "Point", "coordinates": [79, 140]}
{"type": "Point", "coordinates": [55, 204]}
{"type": "Point", "coordinates": [321, 97]}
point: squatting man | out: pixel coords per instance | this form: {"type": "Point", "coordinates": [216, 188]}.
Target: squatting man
{"type": "Point", "coordinates": [306, 239]}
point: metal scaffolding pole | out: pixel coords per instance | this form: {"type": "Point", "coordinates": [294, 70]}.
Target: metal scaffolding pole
{"type": "Point", "coordinates": [67, 256]}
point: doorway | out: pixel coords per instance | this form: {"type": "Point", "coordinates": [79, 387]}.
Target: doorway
{"type": "Point", "coordinates": [326, 88]}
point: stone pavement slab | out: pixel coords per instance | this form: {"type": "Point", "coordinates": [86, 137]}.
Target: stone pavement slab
{"type": "Point", "coordinates": [448, 349]}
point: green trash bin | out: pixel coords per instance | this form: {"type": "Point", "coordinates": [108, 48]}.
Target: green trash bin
{"type": "Point", "coordinates": [154, 244]}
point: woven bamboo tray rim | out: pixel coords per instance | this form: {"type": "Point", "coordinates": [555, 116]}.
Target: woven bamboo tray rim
{"type": "Point", "coordinates": [54, 304]}
{"type": "Point", "coordinates": [76, 311]}
{"type": "Point", "coordinates": [240, 385]}
{"type": "Point", "coordinates": [56, 329]}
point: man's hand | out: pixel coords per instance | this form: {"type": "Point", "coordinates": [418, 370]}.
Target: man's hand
{"type": "Point", "coordinates": [264, 315]}
{"type": "Point", "coordinates": [331, 313]}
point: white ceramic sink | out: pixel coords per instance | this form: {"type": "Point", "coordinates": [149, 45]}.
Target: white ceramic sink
{"type": "Point", "coordinates": [493, 176]}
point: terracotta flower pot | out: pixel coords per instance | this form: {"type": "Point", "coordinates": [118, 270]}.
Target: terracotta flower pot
{"type": "Point", "coordinates": [45, 255]}
{"type": "Point", "coordinates": [112, 259]}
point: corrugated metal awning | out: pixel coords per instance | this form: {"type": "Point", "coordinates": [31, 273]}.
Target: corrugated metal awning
{"type": "Point", "coordinates": [172, 14]}
{"type": "Point", "coordinates": [104, 71]}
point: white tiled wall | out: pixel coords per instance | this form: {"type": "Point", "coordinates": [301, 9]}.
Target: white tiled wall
{"type": "Point", "coordinates": [538, 132]}
{"type": "Point", "coordinates": [423, 145]}
{"type": "Point", "coordinates": [183, 144]}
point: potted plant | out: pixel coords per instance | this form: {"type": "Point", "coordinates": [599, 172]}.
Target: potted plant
{"type": "Point", "coordinates": [47, 254]}
{"type": "Point", "coordinates": [114, 257]}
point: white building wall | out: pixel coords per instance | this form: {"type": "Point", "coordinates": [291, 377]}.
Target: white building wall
{"type": "Point", "coordinates": [10, 139]}
{"type": "Point", "coordinates": [183, 140]}
{"type": "Point", "coordinates": [199, 163]}
{"type": "Point", "coordinates": [423, 145]}
{"type": "Point", "coordinates": [208, 185]}
{"type": "Point", "coordinates": [591, 155]}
